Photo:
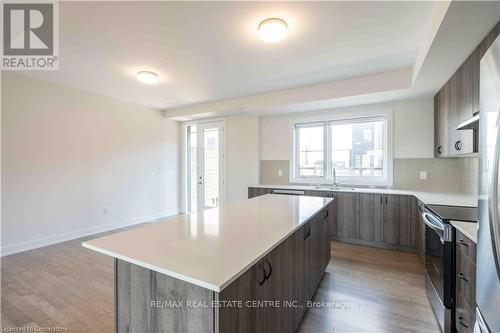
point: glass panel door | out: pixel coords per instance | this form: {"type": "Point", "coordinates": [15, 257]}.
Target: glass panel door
{"type": "Point", "coordinates": [205, 165]}
{"type": "Point", "coordinates": [210, 173]}
{"type": "Point", "coordinates": [192, 168]}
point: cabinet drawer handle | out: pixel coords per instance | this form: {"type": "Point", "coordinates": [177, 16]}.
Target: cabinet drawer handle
{"type": "Point", "coordinates": [461, 322]}
{"type": "Point", "coordinates": [263, 276]}
{"type": "Point", "coordinates": [461, 275]}
{"type": "Point", "coordinates": [458, 145]}
{"type": "Point", "coordinates": [440, 149]}
{"type": "Point", "coordinates": [268, 275]}
{"type": "Point", "coordinates": [461, 242]}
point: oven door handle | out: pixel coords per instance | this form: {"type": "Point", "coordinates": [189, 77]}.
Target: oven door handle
{"type": "Point", "coordinates": [434, 224]}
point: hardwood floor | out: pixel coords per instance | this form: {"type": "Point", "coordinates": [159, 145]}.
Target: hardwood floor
{"type": "Point", "coordinates": [66, 285]}
{"type": "Point", "coordinates": [382, 290]}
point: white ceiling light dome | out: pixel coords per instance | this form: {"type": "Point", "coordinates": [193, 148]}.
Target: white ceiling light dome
{"type": "Point", "coordinates": [148, 77]}
{"type": "Point", "coordinates": [273, 30]}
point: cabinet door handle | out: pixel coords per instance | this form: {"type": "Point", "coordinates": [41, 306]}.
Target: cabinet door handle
{"type": "Point", "coordinates": [327, 214]}
{"type": "Point", "coordinates": [381, 200]}
{"type": "Point", "coordinates": [461, 322]}
{"type": "Point", "coordinates": [268, 275]}
{"type": "Point", "coordinates": [458, 145]}
{"type": "Point", "coordinates": [420, 208]}
{"type": "Point", "coordinates": [261, 282]}
{"type": "Point", "coordinates": [461, 242]}
{"type": "Point", "coordinates": [386, 200]}
{"type": "Point", "coordinates": [461, 275]}
{"type": "Point", "coordinates": [308, 231]}
{"type": "Point", "coordinates": [439, 149]}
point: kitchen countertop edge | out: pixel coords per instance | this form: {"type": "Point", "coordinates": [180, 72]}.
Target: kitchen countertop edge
{"type": "Point", "coordinates": [193, 280]}
{"type": "Point", "coordinates": [428, 198]}
{"type": "Point", "coordinates": [469, 229]}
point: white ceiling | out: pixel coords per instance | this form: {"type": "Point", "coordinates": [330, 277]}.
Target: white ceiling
{"type": "Point", "coordinates": [209, 51]}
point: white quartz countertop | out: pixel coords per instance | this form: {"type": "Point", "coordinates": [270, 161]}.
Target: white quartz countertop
{"type": "Point", "coordinates": [428, 198]}
{"type": "Point", "coordinates": [469, 229]}
{"type": "Point", "coordinates": [213, 247]}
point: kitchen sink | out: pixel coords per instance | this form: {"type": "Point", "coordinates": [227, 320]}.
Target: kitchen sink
{"type": "Point", "coordinates": [337, 188]}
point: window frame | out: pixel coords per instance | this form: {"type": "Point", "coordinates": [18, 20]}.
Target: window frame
{"type": "Point", "coordinates": [327, 178]}
{"type": "Point", "coordinates": [297, 150]}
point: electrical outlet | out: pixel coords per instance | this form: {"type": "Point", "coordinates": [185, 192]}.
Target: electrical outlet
{"type": "Point", "coordinates": [280, 172]}
{"type": "Point", "coordinates": [423, 174]}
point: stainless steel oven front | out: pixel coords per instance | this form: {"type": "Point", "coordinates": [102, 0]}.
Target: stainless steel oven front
{"type": "Point", "coordinates": [439, 256]}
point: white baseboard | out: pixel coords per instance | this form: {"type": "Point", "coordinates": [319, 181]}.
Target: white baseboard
{"type": "Point", "coordinates": [41, 242]}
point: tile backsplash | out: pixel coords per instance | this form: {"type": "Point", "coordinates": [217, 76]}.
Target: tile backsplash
{"type": "Point", "coordinates": [270, 172]}
{"type": "Point", "coordinates": [457, 175]}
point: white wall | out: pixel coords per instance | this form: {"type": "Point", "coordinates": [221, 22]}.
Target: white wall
{"type": "Point", "coordinates": [413, 128]}
{"type": "Point", "coordinates": [76, 163]}
{"type": "Point", "coordinates": [243, 160]}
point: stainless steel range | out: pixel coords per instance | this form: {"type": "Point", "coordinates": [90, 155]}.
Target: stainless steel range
{"type": "Point", "coordinates": [440, 257]}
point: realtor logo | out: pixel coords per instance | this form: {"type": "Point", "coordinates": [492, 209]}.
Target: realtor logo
{"type": "Point", "coordinates": [29, 36]}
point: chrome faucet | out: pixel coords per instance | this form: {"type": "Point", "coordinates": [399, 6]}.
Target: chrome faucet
{"type": "Point", "coordinates": [334, 184]}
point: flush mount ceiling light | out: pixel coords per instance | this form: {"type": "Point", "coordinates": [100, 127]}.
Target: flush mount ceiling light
{"type": "Point", "coordinates": [272, 30]}
{"type": "Point", "coordinates": [147, 77]}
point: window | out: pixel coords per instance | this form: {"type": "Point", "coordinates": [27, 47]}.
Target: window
{"type": "Point", "coordinates": [357, 148]}
{"type": "Point", "coordinates": [311, 150]}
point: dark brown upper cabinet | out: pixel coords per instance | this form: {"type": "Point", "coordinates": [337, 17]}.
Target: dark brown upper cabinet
{"type": "Point", "coordinates": [458, 101]}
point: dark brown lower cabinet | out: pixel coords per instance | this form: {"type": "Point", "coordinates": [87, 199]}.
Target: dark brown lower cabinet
{"type": "Point", "coordinates": [380, 220]}
{"type": "Point", "coordinates": [392, 219]}
{"type": "Point", "coordinates": [270, 296]}
{"type": "Point", "coordinates": [372, 219]}
{"type": "Point", "coordinates": [293, 269]}
{"type": "Point", "coordinates": [325, 238]}
{"type": "Point", "coordinates": [258, 191]}
{"type": "Point", "coordinates": [402, 221]}
{"type": "Point", "coordinates": [465, 283]}
{"type": "Point", "coordinates": [274, 269]}
{"type": "Point", "coordinates": [347, 222]}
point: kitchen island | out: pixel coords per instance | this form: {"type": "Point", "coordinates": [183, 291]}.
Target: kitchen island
{"type": "Point", "coordinates": [250, 266]}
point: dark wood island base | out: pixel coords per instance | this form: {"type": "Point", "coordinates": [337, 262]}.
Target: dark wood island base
{"type": "Point", "coordinates": [270, 296]}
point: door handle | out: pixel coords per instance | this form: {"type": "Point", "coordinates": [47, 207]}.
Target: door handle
{"type": "Point", "coordinates": [261, 282]}
{"type": "Point", "coordinates": [461, 321]}
{"type": "Point", "coordinates": [308, 232]}
{"type": "Point", "coordinates": [436, 225]}
{"type": "Point", "coordinates": [461, 275]}
{"type": "Point", "coordinates": [493, 197]}
{"type": "Point", "coordinates": [268, 275]}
